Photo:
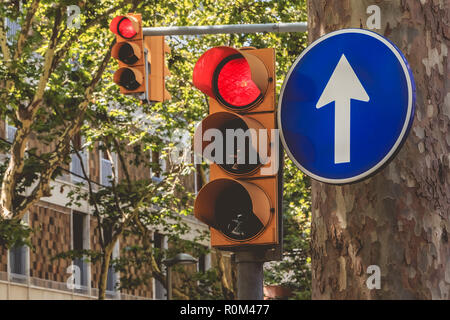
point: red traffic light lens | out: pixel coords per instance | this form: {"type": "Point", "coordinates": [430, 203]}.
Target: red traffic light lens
{"type": "Point", "coordinates": [123, 27]}
{"type": "Point", "coordinates": [233, 84]}
{"type": "Point", "coordinates": [237, 79]}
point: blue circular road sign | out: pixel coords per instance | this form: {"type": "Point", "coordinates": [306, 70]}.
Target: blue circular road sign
{"type": "Point", "coordinates": [346, 106]}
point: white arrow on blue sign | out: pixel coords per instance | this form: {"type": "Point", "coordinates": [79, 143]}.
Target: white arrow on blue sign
{"type": "Point", "coordinates": [346, 106]}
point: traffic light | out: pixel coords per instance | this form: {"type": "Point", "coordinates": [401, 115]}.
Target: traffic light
{"type": "Point", "coordinates": [141, 59]}
{"type": "Point", "coordinates": [242, 201]}
{"type": "Point", "coordinates": [129, 51]}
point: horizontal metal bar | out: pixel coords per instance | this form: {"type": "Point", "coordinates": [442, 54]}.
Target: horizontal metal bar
{"type": "Point", "coordinates": [222, 29]}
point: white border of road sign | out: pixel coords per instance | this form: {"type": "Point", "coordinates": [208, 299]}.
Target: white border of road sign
{"type": "Point", "coordinates": [405, 125]}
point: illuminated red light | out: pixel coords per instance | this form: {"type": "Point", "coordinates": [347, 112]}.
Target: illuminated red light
{"type": "Point", "coordinates": [126, 29]}
{"type": "Point", "coordinates": [123, 27]}
{"type": "Point", "coordinates": [235, 85]}
{"type": "Point", "coordinates": [225, 74]}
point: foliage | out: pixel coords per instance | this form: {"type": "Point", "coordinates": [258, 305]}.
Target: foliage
{"type": "Point", "coordinates": [190, 283]}
{"type": "Point", "coordinates": [44, 93]}
{"type": "Point", "coordinates": [58, 82]}
{"type": "Point", "coordinates": [197, 284]}
{"type": "Point", "coordinates": [14, 234]}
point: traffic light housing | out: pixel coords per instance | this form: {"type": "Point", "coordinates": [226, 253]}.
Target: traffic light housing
{"type": "Point", "coordinates": [129, 51]}
{"type": "Point", "coordinates": [242, 201]}
{"type": "Point", "coordinates": [158, 72]}
{"type": "Point", "coordinates": [141, 59]}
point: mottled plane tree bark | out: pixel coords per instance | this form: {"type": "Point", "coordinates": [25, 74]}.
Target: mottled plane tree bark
{"type": "Point", "coordinates": [398, 219]}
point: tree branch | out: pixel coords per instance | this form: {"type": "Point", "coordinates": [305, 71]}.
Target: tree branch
{"type": "Point", "coordinates": [3, 42]}
{"type": "Point", "coordinates": [91, 193]}
{"type": "Point", "coordinates": [64, 48]}
{"type": "Point", "coordinates": [155, 270]}
{"type": "Point", "coordinates": [26, 28]}
{"type": "Point", "coordinates": [122, 162]}
{"type": "Point", "coordinates": [28, 115]}
{"type": "Point", "coordinates": [227, 288]}
{"type": "Point", "coordinates": [113, 183]}
{"type": "Point", "coordinates": [61, 150]}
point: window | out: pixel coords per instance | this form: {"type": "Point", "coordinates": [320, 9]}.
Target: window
{"type": "Point", "coordinates": [204, 262]}
{"type": "Point", "coordinates": [18, 261]}
{"type": "Point", "coordinates": [111, 282]}
{"type": "Point", "coordinates": [106, 165]}
{"type": "Point", "coordinates": [12, 28]}
{"type": "Point", "coordinates": [159, 242]}
{"type": "Point", "coordinates": [17, 257]}
{"type": "Point", "coordinates": [76, 167]}
{"type": "Point", "coordinates": [157, 172]}
{"type": "Point", "coordinates": [10, 132]}
{"type": "Point", "coordinates": [79, 243]}
{"type": "Point", "coordinates": [75, 62]}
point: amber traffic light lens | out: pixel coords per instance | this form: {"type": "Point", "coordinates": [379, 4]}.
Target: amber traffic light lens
{"type": "Point", "coordinates": [242, 158]}
{"type": "Point", "coordinates": [234, 214]}
{"type": "Point", "coordinates": [127, 55]}
{"type": "Point", "coordinates": [233, 85]}
{"type": "Point", "coordinates": [128, 80]}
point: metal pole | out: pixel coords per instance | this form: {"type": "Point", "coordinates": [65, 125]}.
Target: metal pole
{"type": "Point", "coordinates": [147, 74]}
{"type": "Point", "coordinates": [230, 28]}
{"type": "Point", "coordinates": [169, 283]}
{"type": "Point", "coordinates": [250, 275]}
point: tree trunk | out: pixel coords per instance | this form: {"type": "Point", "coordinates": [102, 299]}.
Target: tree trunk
{"type": "Point", "coordinates": [104, 273]}
{"type": "Point", "coordinates": [397, 220]}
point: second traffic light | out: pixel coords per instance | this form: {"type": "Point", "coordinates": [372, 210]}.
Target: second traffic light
{"type": "Point", "coordinates": [141, 59]}
{"type": "Point", "coordinates": [242, 201]}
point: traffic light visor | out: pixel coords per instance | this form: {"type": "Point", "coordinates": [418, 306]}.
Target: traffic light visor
{"type": "Point", "coordinates": [240, 210]}
{"type": "Point", "coordinates": [237, 79]}
{"type": "Point", "coordinates": [125, 26]}
{"type": "Point", "coordinates": [240, 155]}
{"type": "Point", "coordinates": [126, 52]}
{"type": "Point", "coordinates": [129, 78]}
